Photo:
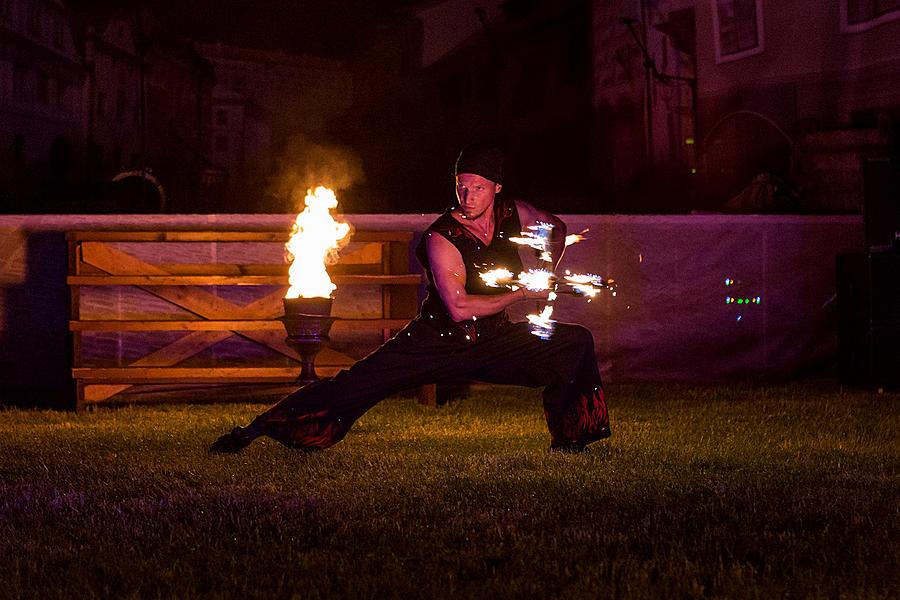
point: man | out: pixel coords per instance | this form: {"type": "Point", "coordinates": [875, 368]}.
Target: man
{"type": "Point", "coordinates": [462, 331]}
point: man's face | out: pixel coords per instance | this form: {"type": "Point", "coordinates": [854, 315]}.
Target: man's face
{"type": "Point", "coordinates": [475, 194]}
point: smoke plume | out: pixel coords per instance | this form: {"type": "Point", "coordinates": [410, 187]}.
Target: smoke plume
{"type": "Point", "coordinates": [306, 164]}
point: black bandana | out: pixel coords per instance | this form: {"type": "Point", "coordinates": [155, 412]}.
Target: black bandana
{"type": "Point", "coordinates": [483, 159]}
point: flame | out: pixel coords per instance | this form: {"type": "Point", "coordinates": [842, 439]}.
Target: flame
{"type": "Point", "coordinates": [497, 277]}
{"type": "Point", "coordinates": [586, 290]}
{"type": "Point", "coordinates": [590, 285]}
{"type": "Point", "coordinates": [533, 242]}
{"type": "Point", "coordinates": [574, 238]}
{"type": "Point", "coordinates": [314, 240]}
{"type": "Point", "coordinates": [536, 279]}
{"type": "Point", "coordinates": [542, 324]}
{"type": "Point", "coordinates": [537, 237]}
{"type": "Point", "coordinates": [584, 284]}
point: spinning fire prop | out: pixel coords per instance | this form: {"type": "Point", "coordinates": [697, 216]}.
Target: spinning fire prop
{"type": "Point", "coordinates": [582, 284]}
{"type": "Point", "coordinates": [315, 239]}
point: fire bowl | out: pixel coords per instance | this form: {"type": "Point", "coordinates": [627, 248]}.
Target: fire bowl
{"type": "Point", "coordinates": [307, 322]}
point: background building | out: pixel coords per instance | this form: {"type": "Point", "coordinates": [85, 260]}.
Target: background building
{"type": "Point", "coordinates": [520, 75]}
{"type": "Point", "coordinates": [91, 93]}
{"type": "Point", "coordinates": [263, 102]}
{"type": "Point", "coordinates": [149, 100]}
{"type": "Point", "coordinates": [113, 93]}
{"type": "Point", "coordinates": [749, 106]}
{"type": "Point", "coordinates": [620, 106]}
{"type": "Point", "coordinates": [828, 93]}
{"type": "Point", "coordinates": [41, 116]}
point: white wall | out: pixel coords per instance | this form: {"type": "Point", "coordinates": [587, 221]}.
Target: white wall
{"type": "Point", "coordinates": [803, 42]}
{"type": "Point", "coordinates": [668, 322]}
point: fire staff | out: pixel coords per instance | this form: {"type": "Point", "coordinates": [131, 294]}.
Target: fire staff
{"type": "Point", "coordinates": [462, 331]}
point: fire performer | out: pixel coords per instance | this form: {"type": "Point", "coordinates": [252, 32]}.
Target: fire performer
{"type": "Point", "coordinates": [462, 331]}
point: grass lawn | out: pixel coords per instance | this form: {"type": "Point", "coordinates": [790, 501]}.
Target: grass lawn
{"type": "Point", "coordinates": [733, 491]}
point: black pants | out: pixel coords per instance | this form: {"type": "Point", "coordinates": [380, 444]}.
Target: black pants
{"type": "Point", "coordinates": [319, 415]}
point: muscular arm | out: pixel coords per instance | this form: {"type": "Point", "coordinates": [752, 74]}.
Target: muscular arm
{"type": "Point", "coordinates": [530, 215]}
{"type": "Point", "coordinates": [449, 274]}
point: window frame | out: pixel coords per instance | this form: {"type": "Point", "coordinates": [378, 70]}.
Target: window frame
{"type": "Point", "coordinates": [760, 35]}
{"type": "Point", "coordinates": [847, 27]}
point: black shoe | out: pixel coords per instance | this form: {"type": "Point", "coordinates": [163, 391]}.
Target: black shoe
{"type": "Point", "coordinates": [570, 448]}
{"type": "Point", "coordinates": [232, 443]}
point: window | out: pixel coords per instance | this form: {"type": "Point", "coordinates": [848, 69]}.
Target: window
{"type": "Point", "coordinates": [121, 105]}
{"type": "Point", "coordinates": [738, 28]}
{"type": "Point", "coordinates": [42, 87]}
{"type": "Point", "coordinates": [529, 91]}
{"type": "Point", "coordinates": [21, 88]}
{"type": "Point", "coordinates": [453, 92]}
{"type": "Point", "coordinates": [101, 104]}
{"type": "Point", "coordinates": [95, 157]}
{"type": "Point", "coordinates": [18, 149]}
{"type": "Point", "coordinates": [62, 96]}
{"type": "Point", "coordinates": [221, 143]}
{"type": "Point", "coordinates": [860, 15]}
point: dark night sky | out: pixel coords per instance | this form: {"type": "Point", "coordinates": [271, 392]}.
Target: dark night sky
{"type": "Point", "coordinates": [326, 27]}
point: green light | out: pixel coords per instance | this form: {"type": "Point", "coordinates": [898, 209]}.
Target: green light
{"type": "Point", "coordinates": [740, 301]}
{"type": "Point", "coordinates": [689, 141]}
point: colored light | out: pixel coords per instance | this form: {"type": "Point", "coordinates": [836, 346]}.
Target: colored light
{"type": "Point", "coordinates": [689, 141]}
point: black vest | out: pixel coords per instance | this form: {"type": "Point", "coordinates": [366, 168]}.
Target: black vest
{"type": "Point", "coordinates": [477, 256]}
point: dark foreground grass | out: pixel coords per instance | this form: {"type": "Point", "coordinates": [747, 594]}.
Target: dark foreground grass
{"type": "Point", "coordinates": [742, 491]}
